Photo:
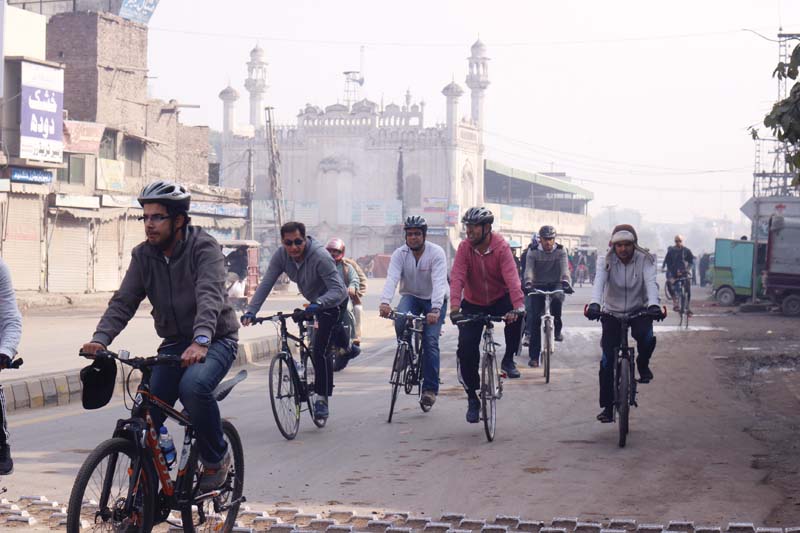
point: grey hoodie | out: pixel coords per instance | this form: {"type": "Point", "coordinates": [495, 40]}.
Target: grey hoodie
{"type": "Point", "coordinates": [316, 277]}
{"type": "Point", "coordinates": [622, 288]}
{"type": "Point", "coordinates": [10, 318]}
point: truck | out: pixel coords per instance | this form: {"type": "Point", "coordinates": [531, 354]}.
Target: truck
{"type": "Point", "coordinates": [732, 271]}
{"type": "Point", "coordinates": [782, 276]}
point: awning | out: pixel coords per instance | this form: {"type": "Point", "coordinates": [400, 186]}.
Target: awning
{"type": "Point", "coordinates": [218, 222]}
{"type": "Point", "coordinates": [142, 138]}
{"type": "Point", "coordinates": [77, 213]}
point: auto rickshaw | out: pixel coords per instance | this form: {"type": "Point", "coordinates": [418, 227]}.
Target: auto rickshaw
{"type": "Point", "coordinates": [241, 263]}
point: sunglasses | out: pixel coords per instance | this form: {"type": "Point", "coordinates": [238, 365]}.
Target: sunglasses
{"type": "Point", "coordinates": [296, 242]}
{"type": "Point", "coordinates": [334, 252]}
{"type": "Point", "coordinates": [153, 218]}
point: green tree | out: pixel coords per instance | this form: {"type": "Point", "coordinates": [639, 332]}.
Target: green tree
{"type": "Point", "coordinates": [784, 118]}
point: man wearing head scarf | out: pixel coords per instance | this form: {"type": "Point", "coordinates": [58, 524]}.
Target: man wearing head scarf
{"type": "Point", "coordinates": [625, 283]}
{"type": "Point", "coordinates": [679, 263]}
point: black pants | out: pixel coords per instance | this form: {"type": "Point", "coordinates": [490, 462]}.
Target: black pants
{"type": "Point", "coordinates": [329, 331]}
{"type": "Point", "coordinates": [642, 331]}
{"type": "Point", "coordinates": [469, 341]}
{"type": "Point", "coordinates": [4, 436]}
{"type": "Point", "coordinates": [535, 319]}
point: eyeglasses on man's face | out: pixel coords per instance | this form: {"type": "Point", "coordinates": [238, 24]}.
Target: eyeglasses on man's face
{"type": "Point", "coordinates": [155, 219]}
{"type": "Point", "coordinates": [296, 242]}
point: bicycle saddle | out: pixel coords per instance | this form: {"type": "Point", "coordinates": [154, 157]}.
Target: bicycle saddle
{"type": "Point", "coordinates": [224, 388]}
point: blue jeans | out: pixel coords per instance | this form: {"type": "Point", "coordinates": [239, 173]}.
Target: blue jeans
{"type": "Point", "coordinates": [430, 338]}
{"type": "Point", "coordinates": [195, 386]}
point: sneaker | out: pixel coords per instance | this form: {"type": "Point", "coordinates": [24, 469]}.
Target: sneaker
{"type": "Point", "coordinates": [645, 374]}
{"type": "Point", "coordinates": [676, 308]}
{"type": "Point", "coordinates": [321, 410]}
{"type": "Point", "coordinates": [606, 416]}
{"type": "Point", "coordinates": [428, 398]}
{"type": "Point", "coordinates": [473, 411]}
{"type": "Point", "coordinates": [533, 362]}
{"type": "Point", "coordinates": [510, 369]}
{"type": "Point", "coordinates": [215, 474]}
{"type": "Point", "coordinates": [559, 337]}
{"type": "Point", "coordinates": [6, 464]}
{"type": "Point", "coordinates": [340, 359]}
{"type": "Point", "coordinates": [526, 339]}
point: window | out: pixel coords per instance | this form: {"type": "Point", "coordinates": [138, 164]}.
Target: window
{"type": "Point", "coordinates": [79, 168]}
{"type": "Point", "coordinates": [133, 150]}
{"type": "Point", "coordinates": [108, 145]}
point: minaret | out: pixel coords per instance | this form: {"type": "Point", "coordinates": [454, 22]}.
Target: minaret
{"type": "Point", "coordinates": [452, 91]}
{"type": "Point", "coordinates": [256, 85]}
{"type": "Point", "coordinates": [478, 80]}
{"type": "Point", "coordinates": [228, 97]}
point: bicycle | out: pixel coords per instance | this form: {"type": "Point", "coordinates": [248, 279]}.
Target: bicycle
{"type": "Point", "coordinates": [582, 275]}
{"type": "Point", "coordinates": [679, 286]}
{"type": "Point", "coordinates": [625, 372]}
{"type": "Point", "coordinates": [548, 330]}
{"type": "Point", "coordinates": [407, 365]}
{"type": "Point", "coordinates": [122, 474]}
{"type": "Point", "coordinates": [291, 382]}
{"type": "Point", "coordinates": [491, 387]}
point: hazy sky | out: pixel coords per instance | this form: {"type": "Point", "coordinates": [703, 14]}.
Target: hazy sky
{"type": "Point", "coordinates": [644, 101]}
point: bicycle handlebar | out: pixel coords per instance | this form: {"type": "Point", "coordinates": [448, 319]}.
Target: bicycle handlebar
{"type": "Point", "coordinates": [545, 293]}
{"type": "Point", "coordinates": [394, 315]}
{"type": "Point", "coordinates": [296, 315]}
{"type": "Point", "coordinates": [124, 357]}
{"type": "Point", "coordinates": [627, 317]}
{"type": "Point", "coordinates": [484, 318]}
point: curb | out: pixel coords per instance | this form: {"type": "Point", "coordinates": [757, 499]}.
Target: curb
{"type": "Point", "coordinates": [62, 389]}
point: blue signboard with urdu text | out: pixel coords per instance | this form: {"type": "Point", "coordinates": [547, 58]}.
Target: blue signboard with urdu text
{"type": "Point", "coordinates": [138, 10]}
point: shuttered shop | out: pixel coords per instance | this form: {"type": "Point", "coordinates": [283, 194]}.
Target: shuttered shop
{"type": "Point", "coordinates": [68, 264]}
{"type": "Point", "coordinates": [106, 265]}
{"type": "Point", "coordinates": [22, 248]}
{"type": "Point", "coordinates": [134, 235]}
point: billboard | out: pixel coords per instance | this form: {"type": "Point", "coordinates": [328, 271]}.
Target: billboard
{"type": "Point", "coordinates": [41, 113]}
{"type": "Point", "coordinates": [138, 10]}
{"type": "Point", "coordinates": [82, 137]}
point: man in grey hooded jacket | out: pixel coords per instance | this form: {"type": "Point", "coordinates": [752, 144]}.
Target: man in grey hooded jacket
{"type": "Point", "coordinates": [306, 261]}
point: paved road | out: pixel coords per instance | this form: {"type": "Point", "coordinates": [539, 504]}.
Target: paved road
{"type": "Point", "coordinates": [687, 456]}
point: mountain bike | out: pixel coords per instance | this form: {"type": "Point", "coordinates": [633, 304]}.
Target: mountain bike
{"type": "Point", "coordinates": [291, 381]}
{"type": "Point", "coordinates": [491, 379]}
{"type": "Point", "coordinates": [680, 287]}
{"type": "Point", "coordinates": [122, 474]}
{"type": "Point", "coordinates": [406, 371]}
{"type": "Point", "coordinates": [548, 330]}
{"type": "Point", "coordinates": [625, 371]}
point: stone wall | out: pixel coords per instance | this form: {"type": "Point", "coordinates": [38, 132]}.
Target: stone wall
{"type": "Point", "coordinates": [192, 153]}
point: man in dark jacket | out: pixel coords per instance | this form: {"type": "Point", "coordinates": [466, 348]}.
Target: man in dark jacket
{"type": "Point", "coordinates": [181, 270]}
{"type": "Point", "coordinates": [308, 264]}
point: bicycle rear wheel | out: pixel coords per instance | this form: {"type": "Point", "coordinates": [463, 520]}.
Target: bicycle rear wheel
{"type": "Point", "coordinates": [685, 308]}
{"type": "Point", "coordinates": [397, 379]}
{"type": "Point", "coordinates": [218, 513]}
{"type": "Point", "coordinates": [623, 398]}
{"type": "Point", "coordinates": [283, 395]}
{"type": "Point", "coordinates": [105, 477]}
{"type": "Point", "coordinates": [549, 344]}
{"type": "Point", "coordinates": [311, 395]}
{"type": "Point", "coordinates": [489, 395]}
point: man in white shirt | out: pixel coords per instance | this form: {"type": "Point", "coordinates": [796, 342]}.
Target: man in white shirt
{"type": "Point", "coordinates": [421, 269]}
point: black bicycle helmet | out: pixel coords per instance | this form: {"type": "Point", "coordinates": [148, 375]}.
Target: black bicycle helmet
{"type": "Point", "coordinates": [416, 222]}
{"type": "Point", "coordinates": [547, 232]}
{"type": "Point", "coordinates": [167, 193]}
{"type": "Point", "coordinates": [477, 216]}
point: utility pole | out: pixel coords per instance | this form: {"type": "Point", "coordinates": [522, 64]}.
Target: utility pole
{"type": "Point", "coordinates": [251, 195]}
{"type": "Point", "coordinates": [274, 176]}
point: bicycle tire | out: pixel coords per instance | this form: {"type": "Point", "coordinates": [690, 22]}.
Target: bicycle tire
{"type": "Point", "coordinates": [223, 522]}
{"type": "Point", "coordinates": [283, 395]}
{"type": "Point", "coordinates": [311, 395]}
{"type": "Point", "coordinates": [397, 376]}
{"type": "Point", "coordinates": [489, 395]}
{"type": "Point", "coordinates": [624, 400]}
{"type": "Point", "coordinates": [685, 308]}
{"type": "Point", "coordinates": [86, 474]}
{"type": "Point", "coordinates": [549, 343]}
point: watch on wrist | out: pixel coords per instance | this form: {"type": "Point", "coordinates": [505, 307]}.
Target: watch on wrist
{"type": "Point", "coordinates": [202, 340]}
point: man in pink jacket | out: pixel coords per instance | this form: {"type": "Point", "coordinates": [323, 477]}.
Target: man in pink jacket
{"type": "Point", "coordinates": [484, 279]}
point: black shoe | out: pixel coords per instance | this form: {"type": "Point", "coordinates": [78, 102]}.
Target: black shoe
{"type": "Point", "coordinates": [533, 362]}
{"type": "Point", "coordinates": [645, 374]}
{"type": "Point", "coordinates": [473, 411]}
{"type": "Point", "coordinates": [321, 411]}
{"type": "Point", "coordinates": [559, 337]}
{"type": "Point", "coordinates": [606, 416]}
{"type": "Point", "coordinates": [510, 369]}
{"type": "Point", "coordinates": [6, 464]}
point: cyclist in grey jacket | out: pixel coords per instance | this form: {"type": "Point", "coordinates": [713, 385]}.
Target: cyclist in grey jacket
{"type": "Point", "coordinates": [307, 263]}
{"type": "Point", "coordinates": [625, 283]}
{"type": "Point", "coordinates": [10, 334]}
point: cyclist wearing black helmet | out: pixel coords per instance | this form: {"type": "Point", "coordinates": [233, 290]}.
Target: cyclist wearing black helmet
{"type": "Point", "coordinates": [421, 269]}
{"type": "Point", "coordinates": [180, 269]}
{"type": "Point", "coordinates": [484, 279]}
{"type": "Point", "coordinates": [545, 269]}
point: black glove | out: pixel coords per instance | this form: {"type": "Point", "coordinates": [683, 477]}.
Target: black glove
{"type": "Point", "coordinates": [247, 316]}
{"type": "Point", "coordinates": [592, 312]}
{"type": "Point", "coordinates": [656, 312]}
{"type": "Point", "coordinates": [5, 361]}
{"type": "Point", "coordinates": [566, 287]}
{"type": "Point", "coordinates": [456, 317]}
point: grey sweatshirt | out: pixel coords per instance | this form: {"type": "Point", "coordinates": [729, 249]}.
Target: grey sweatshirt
{"type": "Point", "coordinates": [621, 288]}
{"type": "Point", "coordinates": [316, 277]}
{"type": "Point", "coordinates": [10, 318]}
{"type": "Point", "coordinates": [545, 267]}
{"type": "Point", "coordinates": [425, 279]}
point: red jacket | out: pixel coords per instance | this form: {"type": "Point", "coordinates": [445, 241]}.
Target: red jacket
{"type": "Point", "coordinates": [486, 278]}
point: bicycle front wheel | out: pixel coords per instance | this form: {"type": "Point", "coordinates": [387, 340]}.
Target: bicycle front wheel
{"type": "Point", "coordinates": [398, 375]}
{"type": "Point", "coordinates": [549, 344]}
{"type": "Point", "coordinates": [623, 399]}
{"type": "Point", "coordinates": [283, 395]}
{"type": "Point", "coordinates": [107, 478]}
{"type": "Point", "coordinates": [489, 395]}
{"type": "Point", "coordinates": [311, 394]}
{"type": "Point", "coordinates": [217, 513]}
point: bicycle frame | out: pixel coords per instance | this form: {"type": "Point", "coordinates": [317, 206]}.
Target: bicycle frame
{"type": "Point", "coordinates": [412, 325]}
